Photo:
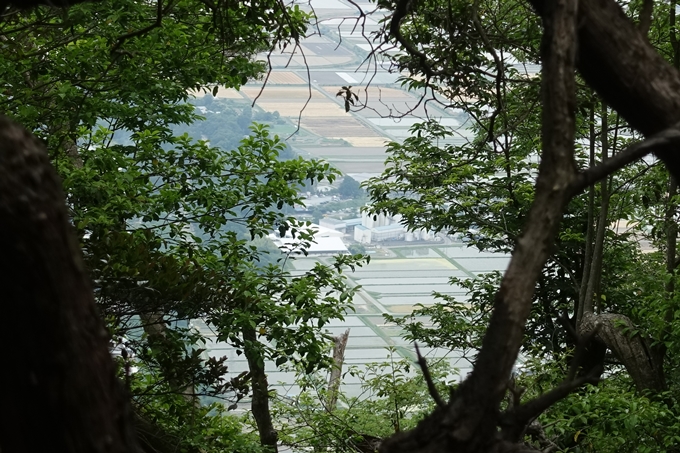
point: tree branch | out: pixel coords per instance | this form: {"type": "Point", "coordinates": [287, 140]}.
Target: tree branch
{"type": "Point", "coordinates": [400, 11]}
{"type": "Point", "coordinates": [470, 420]}
{"type": "Point", "coordinates": [646, 16]}
{"type": "Point", "coordinates": [159, 21]}
{"type": "Point", "coordinates": [428, 379]}
{"type": "Point", "coordinates": [616, 59]}
{"type": "Point", "coordinates": [557, 170]}
{"type": "Point", "coordinates": [664, 141]}
{"type": "Point", "coordinates": [516, 419]}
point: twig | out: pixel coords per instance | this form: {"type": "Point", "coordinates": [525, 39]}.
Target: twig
{"type": "Point", "coordinates": [522, 414]}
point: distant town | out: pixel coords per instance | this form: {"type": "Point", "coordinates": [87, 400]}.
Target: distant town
{"type": "Point", "coordinates": [299, 103]}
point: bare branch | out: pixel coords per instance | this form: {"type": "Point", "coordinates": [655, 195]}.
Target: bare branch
{"type": "Point", "coordinates": [428, 379]}
{"type": "Point", "coordinates": [664, 141]}
{"type": "Point", "coordinates": [470, 420]}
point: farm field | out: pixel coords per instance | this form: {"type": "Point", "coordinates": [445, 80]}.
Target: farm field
{"type": "Point", "coordinates": [392, 285]}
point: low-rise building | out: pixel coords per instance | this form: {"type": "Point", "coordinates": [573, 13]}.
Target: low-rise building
{"type": "Point", "coordinates": [325, 241]}
{"type": "Point", "coordinates": [383, 227]}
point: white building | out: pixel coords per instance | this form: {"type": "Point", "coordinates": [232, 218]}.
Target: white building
{"type": "Point", "coordinates": [326, 241]}
{"type": "Point", "coordinates": [383, 227]}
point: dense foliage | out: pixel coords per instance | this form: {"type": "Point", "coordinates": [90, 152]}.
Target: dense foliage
{"type": "Point", "coordinates": [174, 228]}
{"type": "Point", "coordinates": [614, 259]}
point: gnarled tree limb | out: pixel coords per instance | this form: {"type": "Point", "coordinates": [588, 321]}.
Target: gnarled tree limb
{"type": "Point", "coordinates": [632, 349]}
{"type": "Point", "coordinates": [469, 422]}
{"type": "Point", "coordinates": [616, 59]}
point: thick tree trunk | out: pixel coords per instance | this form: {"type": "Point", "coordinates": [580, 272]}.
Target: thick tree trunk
{"type": "Point", "coordinates": [616, 59]}
{"type": "Point", "coordinates": [470, 421]}
{"type": "Point", "coordinates": [60, 392]}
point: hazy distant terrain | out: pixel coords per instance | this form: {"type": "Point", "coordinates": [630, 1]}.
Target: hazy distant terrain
{"type": "Point", "coordinates": [301, 90]}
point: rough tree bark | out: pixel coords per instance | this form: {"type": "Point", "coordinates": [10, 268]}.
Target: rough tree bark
{"type": "Point", "coordinates": [470, 420]}
{"type": "Point", "coordinates": [260, 404]}
{"type": "Point", "coordinates": [60, 392]}
{"type": "Point", "coordinates": [340, 343]}
{"type": "Point", "coordinates": [618, 62]}
{"type": "Point", "coordinates": [632, 349]}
